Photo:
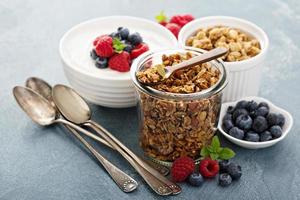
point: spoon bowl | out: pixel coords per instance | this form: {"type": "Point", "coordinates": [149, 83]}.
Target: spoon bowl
{"type": "Point", "coordinates": [35, 106]}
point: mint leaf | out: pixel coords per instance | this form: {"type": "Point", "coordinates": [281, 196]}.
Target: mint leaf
{"type": "Point", "coordinates": [161, 17]}
{"type": "Point", "coordinates": [226, 154]}
{"type": "Point", "coordinates": [211, 149]}
{"type": "Point", "coordinates": [215, 143]}
{"type": "Point", "coordinates": [219, 149]}
{"type": "Point", "coordinates": [204, 152]}
{"type": "Point", "coordinates": [214, 156]}
{"type": "Point", "coordinates": [118, 45]}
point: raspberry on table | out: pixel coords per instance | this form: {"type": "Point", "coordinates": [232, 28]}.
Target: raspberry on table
{"type": "Point", "coordinates": [182, 168]}
{"type": "Point", "coordinates": [209, 168]}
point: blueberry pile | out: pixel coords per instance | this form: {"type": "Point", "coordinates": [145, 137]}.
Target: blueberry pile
{"type": "Point", "coordinates": [229, 171]}
{"type": "Point", "coordinates": [253, 122]}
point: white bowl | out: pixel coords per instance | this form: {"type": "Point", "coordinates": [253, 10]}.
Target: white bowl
{"type": "Point", "coordinates": [257, 145]}
{"type": "Point", "coordinates": [75, 47]}
{"type": "Point", "coordinates": [244, 76]}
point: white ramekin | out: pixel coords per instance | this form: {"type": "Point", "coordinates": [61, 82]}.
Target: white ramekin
{"type": "Point", "coordinates": [244, 76]}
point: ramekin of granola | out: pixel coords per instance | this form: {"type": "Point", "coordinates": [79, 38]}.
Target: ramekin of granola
{"type": "Point", "coordinates": [247, 48]}
{"type": "Point", "coordinates": [178, 116]}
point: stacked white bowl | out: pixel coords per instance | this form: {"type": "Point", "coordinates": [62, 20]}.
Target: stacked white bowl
{"type": "Point", "coordinates": [106, 87]}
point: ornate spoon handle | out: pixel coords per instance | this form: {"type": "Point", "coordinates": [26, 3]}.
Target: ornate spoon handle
{"type": "Point", "coordinates": [124, 181]}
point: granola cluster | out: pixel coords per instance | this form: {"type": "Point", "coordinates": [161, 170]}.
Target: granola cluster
{"type": "Point", "coordinates": [175, 128]}
{"type": "Point", "coordinates": [241, 46]}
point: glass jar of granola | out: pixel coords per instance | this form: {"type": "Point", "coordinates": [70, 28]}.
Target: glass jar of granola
{"type": "Point", "coordinates": [179, 115]}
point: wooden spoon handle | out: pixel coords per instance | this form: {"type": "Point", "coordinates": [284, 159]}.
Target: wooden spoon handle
{"type": "Point", "coordinates": [205, 57]}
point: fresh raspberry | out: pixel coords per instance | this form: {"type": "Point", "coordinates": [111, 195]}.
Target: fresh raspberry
{"type": "Point", "coordinates": [174, 28]}
{"type": "Point", "coordinates": [104, 47]}
{"type": "Point", "coordinates": [120, 62]}
{"type": "Point", "coordinates": [181, 20]}
{"type": "Point", "coordinates": [209, 168]}
{"type": "Point", "coordinates": [182, 168]}
{"type": "Point", "coordinates": [163, 23]}
{"type": "Point", "coordinates": [138, 50]}
{"type": "Point", "coordinates": [95, 42]}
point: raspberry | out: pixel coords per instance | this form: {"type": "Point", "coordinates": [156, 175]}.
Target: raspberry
{"type": "Point", "coordinates": [174, 28]}
{"type": "Point", "coordinates": [138, 50]}
{"type": "Point", "coordinates": [163, 23]}
{"type": "Point", "coordinates": [104, 47]}
{"type": "Point", "coordinates": [209, 168]}
{"type": "Point", "coordinates": [181, 20]}
{"type": "Point", "coordinates": [182, 168]}
{"type": "Point", "coordinates": [95, 42]}
{"type": "Point", "coordinates": [120, 62]}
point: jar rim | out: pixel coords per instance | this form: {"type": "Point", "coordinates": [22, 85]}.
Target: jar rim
{"type": "Point", "coordinates": [215, 89]}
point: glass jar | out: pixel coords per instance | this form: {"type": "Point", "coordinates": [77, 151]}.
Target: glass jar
{"type": "Point", "coordinates": [172, 125]}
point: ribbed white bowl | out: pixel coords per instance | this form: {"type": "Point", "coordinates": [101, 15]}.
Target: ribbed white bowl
{"type": "Point", "coordinates": [244, 76]}
{"type": "Point", "coordinates": [106, 87]}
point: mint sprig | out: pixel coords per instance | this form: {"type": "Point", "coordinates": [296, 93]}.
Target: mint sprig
{"type": "Point", "coordinates": [118, 45]}
{"type": "Point", "coordinates": [161, 17]}
{"type": "Point", "coordinates": [215, 151]}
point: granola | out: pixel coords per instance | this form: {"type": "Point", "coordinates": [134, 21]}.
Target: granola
{"type": "Point", "coordinates": [175, 128]}
{"type": "Point", "coordinates": [241, 46]}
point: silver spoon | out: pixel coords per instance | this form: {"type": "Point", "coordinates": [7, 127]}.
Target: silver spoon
{"type": "Point", "coordinates": [75, 109]}
{"type": "Point", "coordinates": [199, 59]}
{"type": "Point", "coordinates": [42, 112]}
{"type": "Point", "coordinates": [44, 89]}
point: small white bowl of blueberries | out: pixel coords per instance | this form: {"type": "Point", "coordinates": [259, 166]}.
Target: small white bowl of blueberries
{"type": "Point", "coordinates": [254, 122]}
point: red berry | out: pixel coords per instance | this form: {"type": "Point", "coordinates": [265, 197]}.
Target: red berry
{"type": "Point", "coordinates": [181, 20]}
{"type": "Point", "coordinates": [164, 23]}
{"type": "Point", "coordinates": [138, 50]}
{"type": "Point", "coordinates": [104, 47]}
{"type": "Point", "coordinates": [120, 62]}
{"type": "Point", "coordinates": [182, 168]}
{"type": "Point", "coordinates": [95, 42]}
{"type": "Point", "coordinates": [174, 28]}
{"type": "Point", "coordinates": [209, 168]}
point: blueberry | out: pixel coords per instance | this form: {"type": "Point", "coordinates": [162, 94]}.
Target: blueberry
{"type": "Point", "coordinates": [223, 164]}
{"type": "Point", "coordinates": [252, 106]}
{"type": "Point", "coordinates": [124, 32]}
{"type": "Point", "coordinates": [241, 104]}
{"type": "Point", "coordinates": [234, 170]}
{"type": "Point", "coordinates": [259, 124]}
{"type": "Point", "coordinates": [262, 111]}
{"type": "Point", "coordinates": [101, 62]}
{"type": "Point", "coordinates": [276, 131]}
{"type": "Point", "coordinates": [239, 112]}
{"type": "Point", "coordinates": [265, 136]}
{"type": "Point", "coordinates": [227, 117]}
{"type": "Point", "coordinates": [225, 179]}
{"type": "Point", "coordinates": [244, 122]}
{"type": "Point", "coordinates": [115, 35]}
{"type": "Point", "coordinates": [237, 133]}
{"type": "Point", "coordinates": [263, 104]}
{"type": "Point", "coordinates": [227, 125]}
{"type": "Point", "coordinates": [135, 38]}
{"type": "Point", "coordinates": [230, 109]}
{"type": "Point", "coordinates": [195, 179]}
{"type": "Point", "coordinates": [93, 54]}
{"type": "Point", "coordinates": [128, 48]}
{"type": "Point", "coordinates": [252, 136]}
{"type": "Point", "coordinates": [275, 119]}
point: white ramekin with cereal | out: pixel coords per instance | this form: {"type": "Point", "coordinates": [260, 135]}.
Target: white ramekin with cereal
{"type": "Point", "coordinates": [247, 48]}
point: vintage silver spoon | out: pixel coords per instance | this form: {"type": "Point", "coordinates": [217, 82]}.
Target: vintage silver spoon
{"type": "Point", "coordinates": [41, 87]}
{"type": "Point", "coordinates": [199, 59]}
{"type": "Point", "coordinates": [74, 108]}
{"type": "Point", "coordinates": [42, 112]}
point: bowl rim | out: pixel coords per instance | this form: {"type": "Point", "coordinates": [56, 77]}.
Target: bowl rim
{"type": "Point", "coordinates": [236, 64]}
{"type": "Point", "coordinates": [256, 144]}
{"type": "Point", "coordinates": [68, 64]}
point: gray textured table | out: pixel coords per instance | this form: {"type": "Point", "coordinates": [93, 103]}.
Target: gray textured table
{"type": "Point", "coordinates": [46, 163]}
